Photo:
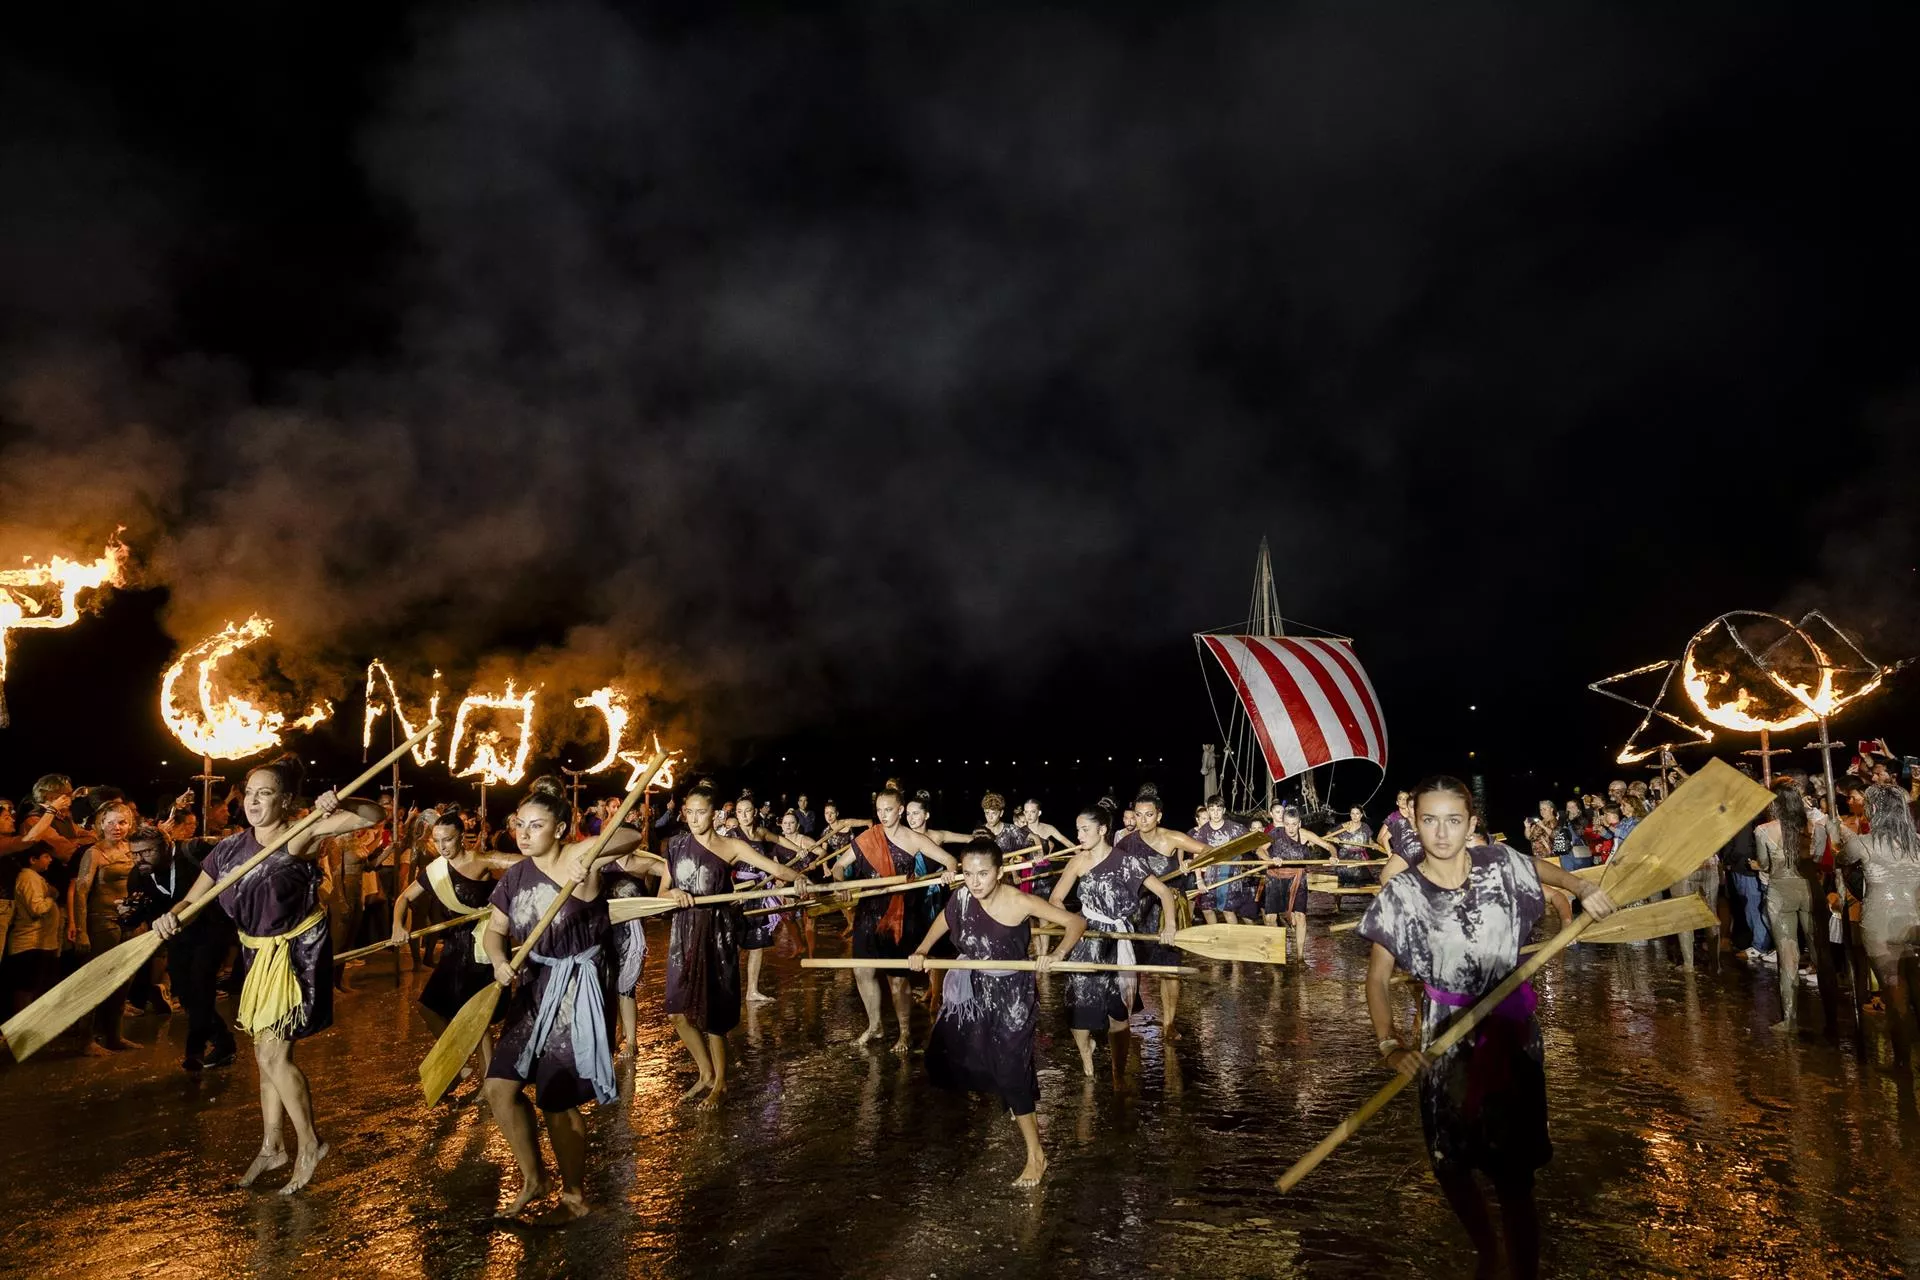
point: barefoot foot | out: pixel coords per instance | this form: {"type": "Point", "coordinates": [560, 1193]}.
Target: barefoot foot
{"type": "Point", "coordinates": [269, 1158]}
{"type": "Point", "coordinates": [529, 1192]}
{"type": "Point", "coordinates": [567, 1209]}
{"type": "Point", "coordinates": [700, 1086]}
{"type": "Point", "coordinates": [903, 1045]}
{"type": "Point", "coordinates": [759, 997]}
{"type": "Point", "coordinates": [866, 1037]}
{"type": "Point", "coordinates": [305, 1162]}
{"type": "Point", "coordinates": [713, 1099]}
{"type": "Point", "coordinates": [1030, 1176]}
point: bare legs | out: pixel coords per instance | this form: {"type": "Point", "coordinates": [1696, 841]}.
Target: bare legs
{"type": "Point", "coordinates": [1300, 935]}
{"type": "Point", "coordinates": [1169, 1005]}
{"type": "Point", "coordinates": [284, 1096]}
{"type": "Point", "coordinates": [629, 1022]}
{"type": "Point", "coordinates": [868, 980]}
{"type": "Point", "coordinates": [1518, 1216]}
{"type": "Point", "coordinates": [709, 1054]}
{"type": "Point", "coordinates": [1036, 1158]}
{"type": "Point", "coordinates": [755, 959]}
{"type": "Point", "coordinates": [514, 1114]}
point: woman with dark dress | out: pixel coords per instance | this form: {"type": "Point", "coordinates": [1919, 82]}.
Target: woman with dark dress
{"type": "Point", "coordinates": [1165, 853]}
{"type": "Point", "coordinates": [1456, 921]}
{"type": "Point", "coordinates": [1286, 887]}
{"type": "Point", "coordinates": [983, 1039]}
{"type": "Point", "coordinates": [757, 933]}
{"type": "Point", "coordinates": [886, 848]}
{"type": "Point", "coordinates": [555, 1033]}
{"type": "Point", "coordinates": [703, 951]}
{"type": "Point", "coordinates": [1110, 883]}
{"type": "Point", "coordinates": [286, 950]}
{"type": "Point", "coordinates": [462, 883]}
{"type": "Point", "coordinates": [627, 877]}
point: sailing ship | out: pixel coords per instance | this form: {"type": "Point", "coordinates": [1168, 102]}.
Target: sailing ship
{"type": "Point", "coordinates": [1299, 704]}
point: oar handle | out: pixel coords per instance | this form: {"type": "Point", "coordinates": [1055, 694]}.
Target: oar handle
{"type": "Point", "coordinates": [1014, 966]}
{"type": "Point", "coordinates": [1457, 1031]}
{"type": "Point", "coordinates": [220, 886]}
{"type": "Point", "coordinates": [454, 923]}
{"type": "Point", "coordinates": [643, 780]}
{"type": "Point", "coordinates": [1209, 888]}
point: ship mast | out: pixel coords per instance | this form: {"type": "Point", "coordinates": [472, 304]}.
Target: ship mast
{"type": "Point", "coordinates": [1263, 619]}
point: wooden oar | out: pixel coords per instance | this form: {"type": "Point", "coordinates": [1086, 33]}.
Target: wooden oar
{"type": "Point", "coordinates": [107, 972]}
{"type": "Point", "coordinates": [1223, 853]}
{"type": "Point", "coordinates": [1649, 920]}
{"type": "Point", "coordinates": [1699, 817]}
{"type": "Point", "coordinates": [889, 884]}
{"type": "Point", "coordinates": [1629, 924]}
{"type": "Point", "coordinates": [1331, 884]}
{"type": "Point", "coordinates": [454, 923]}
{"type": "Point", "coordinates": [625, 909]}
{"type": "Point", "coordinates": [1218, 884]}
{"type": "Point", "coordinates": [456, 1044]}
{"type": "Point", "coordinates": [1017, 966]}
{"type": "Point", "coordinates": [1255, 943]}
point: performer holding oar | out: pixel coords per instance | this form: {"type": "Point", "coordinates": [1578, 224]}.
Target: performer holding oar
{"type": "Point", "coordinates": [1457, 923]}
{"type": "Point", "coordinates": [461, 881]}
{"type": "Point", "coordinates": [880, 923]}
{"type": "Point", "coordinates": [703, 952]}
{"type": "Point", "coordinates": [1486, 1103]}
{"type": "Point", "coordinates": [1110, 882]}
{"type": "Point", "coordinates": [983, 1039]}
{"type": "Point", "coordinates": [1286, 887]}
{"type": "Point", "coordinates": [285, 947]}
{"type": "Point", "coordinates": [1163, 851]}
{"type": "Point", "coordinates": [555, 1033]}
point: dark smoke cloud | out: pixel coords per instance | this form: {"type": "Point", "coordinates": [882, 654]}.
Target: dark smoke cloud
{"type": "Point", "coordinates": [785, 365]}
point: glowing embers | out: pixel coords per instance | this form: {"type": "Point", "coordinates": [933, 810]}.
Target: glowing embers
{"type": "Point", "coordinates": [47, 596]}
{"type": "Point", "coordinates": [377, 707]}
{"type": "Point", "coordinates": [487, 759]}
{"type": "Point", "coordinates": [225, 725]}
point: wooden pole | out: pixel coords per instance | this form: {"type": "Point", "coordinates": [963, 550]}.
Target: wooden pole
{"type": "Point", "coordinates": [1011, 966]}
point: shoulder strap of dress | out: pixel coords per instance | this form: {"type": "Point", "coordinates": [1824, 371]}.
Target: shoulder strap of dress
{"type": "Point", "coordinates": [440, 880]}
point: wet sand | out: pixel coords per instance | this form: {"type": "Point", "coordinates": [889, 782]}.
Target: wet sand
{"type": "Point", "coordinates": [1689, 1141]}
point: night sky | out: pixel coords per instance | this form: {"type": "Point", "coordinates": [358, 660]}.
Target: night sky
{"type": "Point", "coordinates": [910, 381]}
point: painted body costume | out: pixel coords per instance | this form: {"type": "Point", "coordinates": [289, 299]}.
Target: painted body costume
{"type": "Point", "coordinates": [271, 899]}
{"type": "Point", "coordinates": [1483, 1104]}
{"type": "Point", "coordinates": [557, 1031]}
{"type": "Point", "coordinates": [703, 953]}
{"type": "Point", "coordinates": [983, 1039]}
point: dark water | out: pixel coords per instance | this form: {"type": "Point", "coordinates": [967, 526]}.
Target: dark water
{"type": "Point", "coordinates": [1689, 1142]}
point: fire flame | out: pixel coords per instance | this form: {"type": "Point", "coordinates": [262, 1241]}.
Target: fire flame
{"type": "Point", "coordinates": [1707, 689]}
{"type": "Point", "coordinates": [613, 705]}
{"type": "Point", "coordinates": [635, 761]}
{"type": "Point", "coordinates": [422, 754]}
{"type": "Point", "coordinates": [22, 606]}
{"type": "Point", "coordinates": [228, 727]}
{"type": "Point", "coordinates": [486, 760]}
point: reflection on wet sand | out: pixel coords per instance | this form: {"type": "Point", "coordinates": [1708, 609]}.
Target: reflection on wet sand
{"type": "Point", "coordinates": [1689, 1141]}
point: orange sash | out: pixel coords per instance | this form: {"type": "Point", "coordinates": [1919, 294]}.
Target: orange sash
{"type": "Point", "coordinates": [877, 851]}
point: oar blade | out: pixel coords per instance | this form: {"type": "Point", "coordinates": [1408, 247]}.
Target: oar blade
{"type": "Point", "coordinates": [441, 1067]}
{"type": "Point", "coordinates": [1253, 943]}
{"type": "Point", "coordinates": [1654, 920]}
{"type": "Point", "coordinates": [1702, 815]}
{"type": "Point", "coordinates": [621, 910]}
{"type": "Point", "coordinates": [76, 995]}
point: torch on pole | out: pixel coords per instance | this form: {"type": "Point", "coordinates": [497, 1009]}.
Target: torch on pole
{"type": "Point", "coordinates": [206, 778]}
{"type": "Point", "coordinates": [1855, 978]}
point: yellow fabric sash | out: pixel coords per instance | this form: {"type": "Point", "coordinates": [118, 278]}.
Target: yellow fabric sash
{"type": "Point", "coordinates": [270, 997]}
{"type": "Point", "coordinates": [440, 878]}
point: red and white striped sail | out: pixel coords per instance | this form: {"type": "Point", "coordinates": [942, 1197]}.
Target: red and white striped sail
{"type": "Point", "coordinates": [1309, 700]}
